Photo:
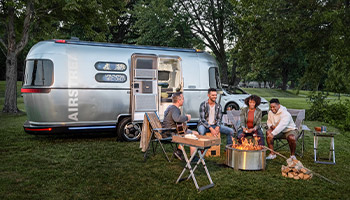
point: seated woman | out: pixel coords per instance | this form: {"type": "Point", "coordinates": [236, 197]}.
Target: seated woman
{"type": "Point", "coordinates": [251, 120]}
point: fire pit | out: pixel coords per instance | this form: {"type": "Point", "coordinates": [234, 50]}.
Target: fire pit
{"type": "Point", "coordinates": [246, 156]}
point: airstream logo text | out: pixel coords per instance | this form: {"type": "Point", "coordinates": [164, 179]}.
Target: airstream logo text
{"type": "Point", "coordinates": [73, 102]}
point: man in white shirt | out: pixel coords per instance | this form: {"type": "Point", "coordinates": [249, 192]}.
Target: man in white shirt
{"type": "Point", "coordinates": [281, 125]}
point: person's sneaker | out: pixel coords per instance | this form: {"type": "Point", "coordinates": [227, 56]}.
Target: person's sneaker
{"type": "Point", "coordinates": [293, 157]}
{"type": "Point", "coordinates": [271, 157]}
{"type": "Point", "coordinates": [178, 154]}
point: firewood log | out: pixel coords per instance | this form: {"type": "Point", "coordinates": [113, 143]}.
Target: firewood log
{"type": "Point", "coordinates": [303, 170]}
{"type": "Point", "coordinates": [296, 177]}
{"type": "Point", "coordinates": [290, 175]}
{"type": "Point", "coordinates": [301, 175]}
{"type": "Point", "coordinates": [306, 176]}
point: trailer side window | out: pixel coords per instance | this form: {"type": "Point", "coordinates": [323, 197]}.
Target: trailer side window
{"type": "Point", "coordinates": [111, 78]}
{"type": "Point", "coordinates": [214, 79]}
{"type": "Point", "coordinates": [38, 73]}
{"type": "Point", "coordinates": [110, 66]}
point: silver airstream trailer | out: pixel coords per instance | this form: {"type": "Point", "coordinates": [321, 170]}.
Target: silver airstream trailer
{"type": "Point", "coordinates": [72, 85]}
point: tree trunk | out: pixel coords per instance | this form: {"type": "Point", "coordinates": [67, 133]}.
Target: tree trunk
{"type": "Point", "coordinates": [13, 49]}
{"type": "Point", "coordinates": [284, 78]}
{"type": "Point", "coordinates": [233, 76]}
{"type": "Point", "coordinates": [223, 68]}
{"type": "Point", "coordinates": [10, 105]}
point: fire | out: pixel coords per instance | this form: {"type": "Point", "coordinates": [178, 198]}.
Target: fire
{"type": "Point", "coordinates": [247, 144]}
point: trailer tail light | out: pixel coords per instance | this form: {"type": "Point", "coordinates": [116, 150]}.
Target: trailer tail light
{"type": "Point", "coordinates": [35, 90]}
{"type": "Point", "coordinates": [38, 129]}
{"type": "Point", "coordinates": [60, 41]}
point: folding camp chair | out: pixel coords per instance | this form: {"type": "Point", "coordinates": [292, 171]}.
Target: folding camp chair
{"type": "Point", "coordinates": [156, 130]}
{"type": "Point", "coordinates": [298, 117]}
{"type": "Point", "coordinates": [234, 121]}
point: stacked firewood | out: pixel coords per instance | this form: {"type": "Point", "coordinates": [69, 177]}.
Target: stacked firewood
{"type": "Point", "coordinates": [296, 170]}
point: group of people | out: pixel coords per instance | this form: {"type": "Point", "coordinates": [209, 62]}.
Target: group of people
{"type": "Point", "coordinates": [280, 123]}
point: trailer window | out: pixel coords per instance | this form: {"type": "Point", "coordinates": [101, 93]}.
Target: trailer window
{"type": "Point", "coordinates": [214, 79]}
{"type": "Point", "coordinates": [110, 66]}
{"type": "Point", "coordinates": [111, 78]}
{"type": "Point", "coordinates": [38, 73]}
{"type": "Point", "coordinates": [146, 63]}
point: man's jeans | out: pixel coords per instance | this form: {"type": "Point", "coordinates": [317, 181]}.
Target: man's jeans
{"type": "Point", "coordinates": [223, 129]}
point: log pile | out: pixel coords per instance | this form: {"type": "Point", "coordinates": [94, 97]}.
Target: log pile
{"type": "Point", "coordinates": [296, 170]}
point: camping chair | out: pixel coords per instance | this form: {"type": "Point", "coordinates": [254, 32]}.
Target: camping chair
{"type": "Point", "coordinates": [234, 121]}
{"type": "Point", "coordinates": [298, 117]}
{"type": "Point", "coordinates": [154, 128]}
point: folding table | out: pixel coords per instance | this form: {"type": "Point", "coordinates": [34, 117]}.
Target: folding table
{"type": "Point", "coordinates": [201, 147]}
{"type": "Point", "coordinates": [331, 148]}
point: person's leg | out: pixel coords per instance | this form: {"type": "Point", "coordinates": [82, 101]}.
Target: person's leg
{"type": "Point", "coordinates": [261, 136]}
{"type": "Point", "coordinates": [292, 143]}
{"type": "Point", "coordinates": [269, 139]}
{"type": "Point", "coordinates": [202, 130]}
{"type": "Point", "coordinates": [240, 134]}
{"type": "Point", "coordinates": [228, 132]}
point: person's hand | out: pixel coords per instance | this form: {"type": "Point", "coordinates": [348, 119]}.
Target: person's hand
{"type": "Point", "coordinates": [269, 131]}
{"type": "Point", "coordinates": [188, 117]}
{"type": "Point", "coordinates": [245, 130]}
{"type": "Point", "coordinates": [213, 131]}
{"type": "Point", "coordinates": [217, 129]}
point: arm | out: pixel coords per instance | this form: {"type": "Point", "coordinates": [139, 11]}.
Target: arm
{"type": "Point", "coordinates": [258, 121]}
{"type": "Point", "coordinates": [284, 121]}
{"type": "Point", "coordinates": [177, 117]}
{"type": "Point", "coordinates": [269, 119]}
{"type": "Point", "coordinates": [202, 115]}
{"type": "Point", "coordinates": [218, 114]}
{"type": "Point", "coordinates": [243, 119]}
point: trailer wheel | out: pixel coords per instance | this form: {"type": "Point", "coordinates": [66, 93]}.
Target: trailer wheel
{"type": "Point", "coordinates": [128, 131]}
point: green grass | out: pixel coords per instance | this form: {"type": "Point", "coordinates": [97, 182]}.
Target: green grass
{"type": "Point", "coordinates": [95, 166]}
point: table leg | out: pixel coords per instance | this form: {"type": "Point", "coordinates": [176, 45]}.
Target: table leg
{"type": "Point", "coordinates": [315, 147]}
{"type": "Point", "coordinates": [333, 150]}
{"type": "Point", "coordinates": [188, 165]}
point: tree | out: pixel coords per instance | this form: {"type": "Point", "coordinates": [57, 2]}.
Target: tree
{"type": "Point", "coordinates": [213, 22]}
{"type": "Point", "coordinates": [45, 19]}
{"type": "Point", "coordinates": [157, 24]}
{"type": "Point", "coordinates": [11, 11]}
{"type": "Point", "coordinates": [188, 23]}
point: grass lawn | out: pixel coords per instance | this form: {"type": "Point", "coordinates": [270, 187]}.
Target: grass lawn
{"type": "Point", "coordinates": [95, 166]}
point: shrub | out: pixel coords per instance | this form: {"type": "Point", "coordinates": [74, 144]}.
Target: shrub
{"type": "Point", "coordinates": [334, 113]}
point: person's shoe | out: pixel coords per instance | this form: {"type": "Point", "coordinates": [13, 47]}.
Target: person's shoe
{"type": "Point", "coordinates": [293, 157]}
{"type": "Point", "coordinates": [195, 159]}
{"type": "Point", "coordinates": [178, 154]}
{"type": "Point", "coordinates": [271, 157]}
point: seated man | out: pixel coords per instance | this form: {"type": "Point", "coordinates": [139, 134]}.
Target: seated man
{"type": "Point", "coordinates": [280, 125]}
{"type": "Point", "coordinates": [172, 117]}
{"type": "Point", "coordinates": [210, 114]}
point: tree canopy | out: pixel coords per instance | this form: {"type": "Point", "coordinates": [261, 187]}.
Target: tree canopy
{"type": "Point", "coordinates": [295, 43]}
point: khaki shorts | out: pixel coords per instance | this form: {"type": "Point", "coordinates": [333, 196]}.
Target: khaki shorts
{"type": "Point", "coordinates": [284, 135]}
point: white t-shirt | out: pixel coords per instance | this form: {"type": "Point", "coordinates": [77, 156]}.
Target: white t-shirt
{"type": "Point", "coordinates": [211, 117]}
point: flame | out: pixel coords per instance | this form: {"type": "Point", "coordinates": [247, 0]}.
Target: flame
{"type": "Point", "coordinates": [247, 144]}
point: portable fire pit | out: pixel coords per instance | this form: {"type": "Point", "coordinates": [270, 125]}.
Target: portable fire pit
{"type": "Point", "coordinates": [246, 156]}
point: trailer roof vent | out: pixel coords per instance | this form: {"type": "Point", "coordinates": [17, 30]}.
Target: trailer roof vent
{"type": "Point", "coordinates": [74, 38]}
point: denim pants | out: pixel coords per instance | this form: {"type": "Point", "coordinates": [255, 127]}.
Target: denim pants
{"type": "Point", "coordinates": [223, 129]}
{"type": "Point", "coordinates": [260, 134]}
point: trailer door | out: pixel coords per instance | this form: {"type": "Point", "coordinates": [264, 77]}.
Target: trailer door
{"type": "Point", "coordinates": [144, 94]}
